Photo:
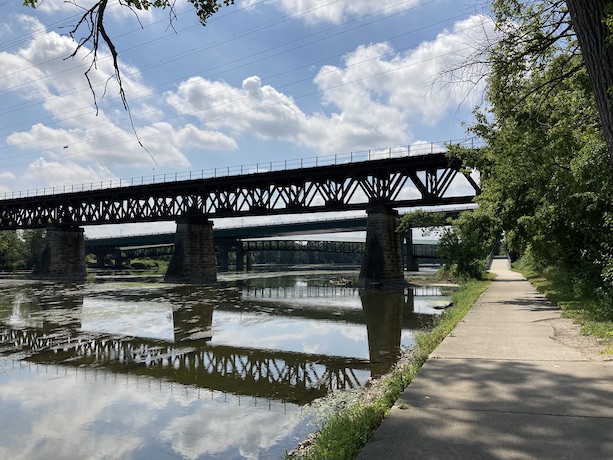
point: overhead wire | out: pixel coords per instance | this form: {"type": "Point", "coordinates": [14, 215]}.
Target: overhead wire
{"type": "Point", "coordinates": [234, 114]}
{"type": "Point", "coordinates": [180, 115]}
{"type": "Point", "coordinates": [199, 72]}
{"type": "Point", "coordinates": [144, 114]}
{"type": "Point", "coordinates": [225, 41]}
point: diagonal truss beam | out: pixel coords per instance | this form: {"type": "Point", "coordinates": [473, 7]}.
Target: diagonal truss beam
{"type": "Point", "coordinates": [398, 182]}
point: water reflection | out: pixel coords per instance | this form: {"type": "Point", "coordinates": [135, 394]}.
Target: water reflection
{"type": "Point", "coordinates": [186, 363]}
{"type": "Point", "coordinates": [75, 413]}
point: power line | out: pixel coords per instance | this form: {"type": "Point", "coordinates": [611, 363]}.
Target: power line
{"type": "Point", "coordinates": [258, 60]}
{"type": "Point", "coordinates": [234, 114]}
{"type": "Point", "coordinates": [234, 101]}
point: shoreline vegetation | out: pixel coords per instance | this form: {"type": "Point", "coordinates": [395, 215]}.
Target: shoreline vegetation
{"type": "Point", "coordinates": [346, 422]}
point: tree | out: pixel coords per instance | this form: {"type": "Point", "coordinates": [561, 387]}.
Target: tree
{"type": "Point", "coordinates": [530, 30]}
{"type": "Point", "coordinates": [466, 245]}
{"type": "Point", "coordinates": [34, 243]}
{"type": "Point", "coordinates": [92, 25]}
{"type": "Point", "coordinates": [546, 173]}
{"type": "Point", "coordinates": [589, 20]}
{"type": "Point", "coordinates": [10, 251]}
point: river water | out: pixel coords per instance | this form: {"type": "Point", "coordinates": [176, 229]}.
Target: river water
{"type": "Point", "coordinates": [134, 369]}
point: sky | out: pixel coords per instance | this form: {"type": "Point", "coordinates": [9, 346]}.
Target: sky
{"type": "Point", "coordinates": [264, 81]}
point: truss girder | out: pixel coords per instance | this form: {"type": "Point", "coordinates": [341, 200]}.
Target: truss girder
{"type": "Point", "coordinates": [344, 247]}
{"type": "Point", "coordinates": [349, 186]}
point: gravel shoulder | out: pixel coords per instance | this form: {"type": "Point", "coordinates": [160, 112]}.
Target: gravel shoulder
{"type": "Point", "coordinates": [568, 333]}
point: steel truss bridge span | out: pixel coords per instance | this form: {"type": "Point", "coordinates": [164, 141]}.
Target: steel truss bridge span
{"type": "Point", "coordinates": [428, 251]}
{"type": "Point", "coordinates": [342, 187]}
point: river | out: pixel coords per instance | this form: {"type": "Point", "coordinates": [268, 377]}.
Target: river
{"type": "Point", "coordinates": [131, 368]}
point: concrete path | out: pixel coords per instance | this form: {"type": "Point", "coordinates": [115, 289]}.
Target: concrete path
{"type": "Point", "coordinates": [499, 386]}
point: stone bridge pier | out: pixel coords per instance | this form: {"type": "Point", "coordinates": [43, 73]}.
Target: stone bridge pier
{"type": "Point", "coordinates": [193, 260]}
{"type": "Point", "coordinates": [382, 266]}
{"type": "Point", "coordinates": [63, 257]}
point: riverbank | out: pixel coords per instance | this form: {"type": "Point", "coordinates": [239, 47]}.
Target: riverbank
{"type": "Point", "coordinates": [347, 427]}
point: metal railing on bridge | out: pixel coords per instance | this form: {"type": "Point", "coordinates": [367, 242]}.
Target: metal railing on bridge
{"type": "Point", "coordinates": [254, 168]}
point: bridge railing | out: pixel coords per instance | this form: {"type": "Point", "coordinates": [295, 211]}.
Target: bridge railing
{"type": "Point", "coordinates": [255, 168]}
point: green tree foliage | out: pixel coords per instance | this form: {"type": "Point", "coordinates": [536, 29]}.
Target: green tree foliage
{"type": "Point", "coordinates": [11, 249]}
{"type": "Point", "coordinates": [428, 221]}
{"type": "Point", "coordinates": [20, 250]}
{"type": "Point", "coordinates": [546, 178]}
{"type": "Point", "coordinates": [466, 245]}
{"type": "Point", "coordinates": [33, 245]}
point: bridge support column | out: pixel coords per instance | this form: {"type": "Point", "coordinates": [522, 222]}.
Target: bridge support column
{"type": "Point", "coordinates": [382, 264]}
{"type": "Point", "coordinates": [63, 257]}
{"type": "Point", "coordinates": [410, 259]}
{"type": "Point", "coordinates": [240, 258]}
{"type": "Point", "coordinates": [100, 256]}
{"type": "Point", "coordinates": [193, 260]}
{"type": "Point", "coordinates": [224, 258]}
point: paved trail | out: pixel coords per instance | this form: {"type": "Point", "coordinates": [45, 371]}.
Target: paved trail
{"type": "Point", "coordinates": [499, 386]}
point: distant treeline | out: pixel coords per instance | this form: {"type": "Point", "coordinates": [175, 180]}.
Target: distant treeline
{"type": "Point", "coordinates": [21, 249]}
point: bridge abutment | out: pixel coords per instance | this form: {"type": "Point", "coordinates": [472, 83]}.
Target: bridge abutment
{"type": "Point", "coordinates": [382, 265]}
{"type": "Point", "coordinates": [193, 260]}
{"type": "Point", "coordinates": [63, 256]}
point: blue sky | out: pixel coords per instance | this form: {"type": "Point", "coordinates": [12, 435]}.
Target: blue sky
{"type": "Point", "coordinates": [263, 81]}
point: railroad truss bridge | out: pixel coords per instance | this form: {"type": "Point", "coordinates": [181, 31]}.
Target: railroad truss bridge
{"type": "Point", "coordinates": [377, 186]}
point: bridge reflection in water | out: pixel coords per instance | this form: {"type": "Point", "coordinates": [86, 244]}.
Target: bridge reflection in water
{"type": "Point", "coordinates": [178, 342]}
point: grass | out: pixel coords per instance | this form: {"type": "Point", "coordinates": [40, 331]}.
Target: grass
{"type": "Point", "coordinates": [582, 308]}
{"type": "Point", "coordinates": [345, 431]}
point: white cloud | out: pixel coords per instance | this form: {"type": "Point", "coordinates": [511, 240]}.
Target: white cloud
{"type": "Point", "coordinates": [376, 78]}
{"type": "Point", "coordinates": [45, 173]}
{"type": "Point", "coordinates": [193, 137]}
{"type": "Point", "coordinates": [316, 11]}
{"type": "Point", "coordinates": [263, 111]}
{"type": "Point", "coordinates": [261, 429]}
{"type": "Point", "coordinates": [116, 10]}
{"type": "Point", "coordinates": [6, 175]}
{"type": "Point", "coordinates": [78, 133]}
{"type": "Point", "coordinates": [371, 100]}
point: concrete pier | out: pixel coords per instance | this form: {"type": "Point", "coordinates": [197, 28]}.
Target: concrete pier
{"type": "Point", "coordinates": [193, 260]}
{"type": "Point", "coordinates": [410, 259]}
{"type": "Point", "coordinates": [63, 257]}
{"type": "Point", "coordinates": [382, 266]}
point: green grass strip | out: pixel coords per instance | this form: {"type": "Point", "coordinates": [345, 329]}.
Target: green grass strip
{"type": "Point", "coordinates": [345, 432]}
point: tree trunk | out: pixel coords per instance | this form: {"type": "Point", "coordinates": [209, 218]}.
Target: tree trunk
{"type": "Point", "coordinates": [587, 18]}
